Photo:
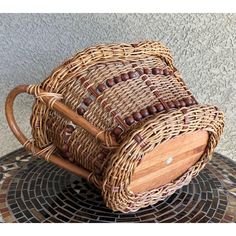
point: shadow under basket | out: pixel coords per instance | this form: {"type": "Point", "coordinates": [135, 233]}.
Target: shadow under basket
{"type": "Point", "coordinates": [121, 116]}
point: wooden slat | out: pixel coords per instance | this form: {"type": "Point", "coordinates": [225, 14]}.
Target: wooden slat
{"type": "Point", "coordinates": [153, 171]}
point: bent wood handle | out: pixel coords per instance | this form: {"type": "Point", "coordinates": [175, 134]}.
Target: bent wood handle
{"type": "Point", "coordinates": [80, 171]}
{"type": "Point", "coordinates": [59, 107]}
{"type": "Point", "coordinates": [62, 109]}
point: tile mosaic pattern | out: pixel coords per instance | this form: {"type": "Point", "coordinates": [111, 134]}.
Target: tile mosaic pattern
{"type": "Point", "coordinates": [32, 190]}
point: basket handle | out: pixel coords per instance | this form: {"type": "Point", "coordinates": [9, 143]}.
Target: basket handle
{"type": "Point", "coordinates": [22, 138]}
{"type": "Point", "coordinates": [68, 113]}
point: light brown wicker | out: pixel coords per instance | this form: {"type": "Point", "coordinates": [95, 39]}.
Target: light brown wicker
{"type": "Point", "coordinates": [102, 111]}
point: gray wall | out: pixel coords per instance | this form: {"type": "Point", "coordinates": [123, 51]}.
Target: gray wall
{"type": "Point", "coordinates": [203, 45]}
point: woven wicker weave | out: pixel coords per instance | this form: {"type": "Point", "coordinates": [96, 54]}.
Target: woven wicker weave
{"type": "Point", "coordinates": [110, 86]}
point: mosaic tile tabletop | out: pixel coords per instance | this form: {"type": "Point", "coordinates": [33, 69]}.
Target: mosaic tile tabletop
{"type": "Point", "coordinates": [32, 190]}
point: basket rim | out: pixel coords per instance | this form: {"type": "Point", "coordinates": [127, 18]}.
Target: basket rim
{"type": "Point", "coordinates": [121, 169]}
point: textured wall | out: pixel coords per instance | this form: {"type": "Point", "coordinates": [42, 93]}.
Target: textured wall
{"type": "Point", "coordinates": [204, 48]}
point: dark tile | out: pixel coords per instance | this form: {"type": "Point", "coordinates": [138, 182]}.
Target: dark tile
{"type": "Point", "coordinates": [70, 209]}
{"type": "Point", "coordinates": [27, 214]}
{"type": "Point", "coordinates": [65, 213]}
{"type": "Point", "coordinates": [63, 218]}
{"type": "Point", "coordinates": [33, 220]}
{"type": "Point", "coordinates": [91, 221]}
{"type": "Point", "coordinates": [22, 220]}
{"type": "Point", "coordinates": [36, 203]}
{"type": "Point", "coordinates": [184, 220]}
{"type": "Point", "coordinates": [81, 219]}
{"type": "Point", "coordinates": [125, 220]}
{"type": "Point", "coordinates": [19, 215]}
{"type": "Point", "coordinates": [51, 210]}
{"type": "Point", "coordinates": [204, 220]}
{"type": "Point", "coordinates": [13, 206]}
{"type": "Point", "coordinates": [108, 219]}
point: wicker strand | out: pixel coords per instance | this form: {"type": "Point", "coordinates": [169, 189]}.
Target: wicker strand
{"type": "Point", "coordinates": [108, 140]}
{"type": "Point", "coordinates": [30, 145]}
{"type": "Point", "coordinates": [27, 143]}
{"type": "Point", "coordinates": [48, 151]}
{"type": "Point", "coordinates": [35, 89]}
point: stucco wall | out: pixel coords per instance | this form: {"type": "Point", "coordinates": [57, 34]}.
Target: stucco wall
{"type": "Point", "coordinates": [203, 45]}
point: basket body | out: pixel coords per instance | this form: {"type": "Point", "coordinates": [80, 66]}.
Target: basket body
{"type": "Point", "coordinates": [135, 93]}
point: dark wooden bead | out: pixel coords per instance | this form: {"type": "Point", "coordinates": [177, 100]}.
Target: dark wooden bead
{"type": "Point", "coordinates": [117, 79]}
{"type": "Point", "coordinates": [152, 88]}
{"type": "Point", "coordinates": [65, 147]}
{"type": "Point", "coordinates": [134, 45]}
{"type": "Point", "coordinates": [185, 111]}
{"type": "Point", "coordinates": [124, 77]}
{"type": "Point", "coordinates": [80, 110]}
{"type": "Point", "coordinates": [138, 138]}
{"type": "Point", "coordinates": [69, 129]}
{"type": "Point", "coordinates": [137, 116]}
{"type": "Point", "coordinates": [155, 71]}
{"type": "Point", "coordinates": [144, 112]}
{"type": "Point", "coordinates": [117, 131]}
{"type": "Point", "coordinates": [132, 74]}
{"type": "Point", "coordinates": [144, 77]}
{"type": "Point", "coordinates": [134, 65]}
{"type": "Point", "coordinates": [87, 101]}
{"type": "Point", "coordinates": [139, 71]}
{"type": "Point", "coordinates": [177, 104]}
{"type": "Point", "coordinates": [147, 71]}
{"type": "Point", "coordinates": [82, 80]}
{"type": "Point", "coordinates": [68, 154]}
{"type": "Point", "coordinates": [152, 109]}
{"type": "Point", "coordinates": [101, 156]}
{"type": "Point", "coordinates": [136, 74]}
{"type": "Point", "coordinates": [66, 137]}
{"type": "Point", "coordinates": [129, 120]}
{"type": "Point", "coordinates": [101, 87]}
{"type": "Point", "coordinates": [110, 83]}
{"type": "Point", "coordinates": [166, 72]}
{"type": "Point", "coordinates": [156, 93]}
{"type": "Point", "coordinates": [148, 83]}
{"type": "Point", "coordinates": [171, 104]}
{"type": "Point", "coordinates": [188, 101]}
{"type": "Point", "coordinates": [182, 103]}
{"type": "Point", "coordinates": [159, 107]}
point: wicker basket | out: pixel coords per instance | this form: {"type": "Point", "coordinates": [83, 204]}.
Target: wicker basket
{"type": "Point", "coordinates": [121, 116]}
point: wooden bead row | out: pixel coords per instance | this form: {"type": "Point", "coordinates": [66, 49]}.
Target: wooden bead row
{"type": "Point", "coordinates": [151, 110]}
{"type": "Point", "coordinates": [68, 130]}
{"type": "Point", "coordinates": [123, 77]}
{"type": "Point", "coordinates": [131, 75]}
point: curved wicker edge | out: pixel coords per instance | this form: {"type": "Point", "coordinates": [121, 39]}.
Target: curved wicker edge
{"type": "Point", "coordinates": [124, 161]}
{"type": "Point", "coordinates": [79, 63]}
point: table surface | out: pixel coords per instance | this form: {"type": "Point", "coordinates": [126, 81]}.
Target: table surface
{"type": "Point", "coordinates": [33, 190]}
